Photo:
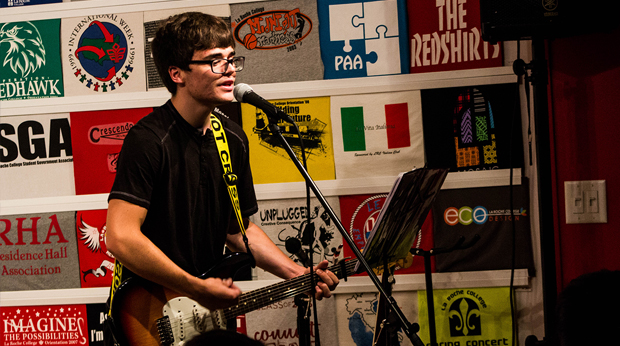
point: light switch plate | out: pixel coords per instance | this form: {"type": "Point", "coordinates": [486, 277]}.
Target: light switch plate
{"type": "Point", "coordinates": [585, 201]}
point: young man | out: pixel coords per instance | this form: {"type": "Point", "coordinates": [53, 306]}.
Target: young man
{"type": "Point", "coordinates": [169, 212]}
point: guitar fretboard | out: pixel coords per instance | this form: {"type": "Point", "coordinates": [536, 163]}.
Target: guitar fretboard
{"type": "Point", "coordinates": [262, 297]}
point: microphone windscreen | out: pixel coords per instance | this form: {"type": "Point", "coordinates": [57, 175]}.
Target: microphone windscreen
{"type": "Point", "coordinates": [240, 90]}
{"type": "Point", "coordinates": [292, 245]}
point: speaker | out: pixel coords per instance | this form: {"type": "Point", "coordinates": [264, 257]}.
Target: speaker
{"type": "Point", "coordinates": [505, 20]}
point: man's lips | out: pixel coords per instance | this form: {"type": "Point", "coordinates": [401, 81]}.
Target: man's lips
{"type": "Point", "coordinates": [228, 85]}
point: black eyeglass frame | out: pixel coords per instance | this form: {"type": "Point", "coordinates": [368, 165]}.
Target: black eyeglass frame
{"type": "Point", "coordinates": [228, 62]}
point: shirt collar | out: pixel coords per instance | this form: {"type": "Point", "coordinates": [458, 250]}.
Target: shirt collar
{"type": "Point", "coordinates": [183, 123]}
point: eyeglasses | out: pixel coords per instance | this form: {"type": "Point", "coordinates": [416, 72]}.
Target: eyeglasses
{"type": "Point", "coordinates": [221, 65]}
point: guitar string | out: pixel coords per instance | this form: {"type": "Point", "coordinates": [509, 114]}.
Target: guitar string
{"type": "Point", "coordinates": [277, 288]}
{"type": "Point", "coordinates": [175, 321]}
{"type": "Point", "coordinates": [261, 300]}
{"type": "Point", "coordinates": [259, 297]}
{"type": "Point", "coordinates": [265, 296]}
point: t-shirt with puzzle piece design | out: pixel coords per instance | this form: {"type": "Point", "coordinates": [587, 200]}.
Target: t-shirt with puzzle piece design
{"type": "Point", "coordinates": [363, 38]}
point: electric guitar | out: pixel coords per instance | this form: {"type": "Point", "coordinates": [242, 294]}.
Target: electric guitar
{"type": "Point", "coordinates": [148, 314]}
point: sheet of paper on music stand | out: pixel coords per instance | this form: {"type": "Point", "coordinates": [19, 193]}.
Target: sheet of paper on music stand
{"type": "Point", "coordinates": [402, 215]}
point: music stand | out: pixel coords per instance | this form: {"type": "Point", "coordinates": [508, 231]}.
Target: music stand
{"type": "Point", "coordinates": [402, 215]}
{"type": "Point", "coordinates": [394, 232]}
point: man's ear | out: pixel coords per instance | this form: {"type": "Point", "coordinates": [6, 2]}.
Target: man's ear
{"type": "Point", "coordinates": [175, 74]}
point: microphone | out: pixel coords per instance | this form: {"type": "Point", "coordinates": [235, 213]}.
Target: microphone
{"type": "Point", "coordinates": [245, 93]}
{"type": "Point", "coordinates": [293, 246]}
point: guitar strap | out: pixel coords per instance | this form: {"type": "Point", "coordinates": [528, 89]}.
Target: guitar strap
{"type": "Point", "coordinates": [110, 332]}
{"type": "Point", "coordinates": [229, 177]}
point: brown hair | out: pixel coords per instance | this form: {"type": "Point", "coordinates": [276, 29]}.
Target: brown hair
{"type": "Point", "coordinates": [181, 35]}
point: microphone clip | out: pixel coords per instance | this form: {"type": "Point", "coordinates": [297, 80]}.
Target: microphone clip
{"type": "Point", "coordinates": [293, 246]}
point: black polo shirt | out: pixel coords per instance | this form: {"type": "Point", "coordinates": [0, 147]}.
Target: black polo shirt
{"type": "Point", "coordinates": [170, 168]}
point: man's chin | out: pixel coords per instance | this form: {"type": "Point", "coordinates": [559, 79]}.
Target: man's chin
{"type": "Point", "coordinates": [223, 101]}
{"type": "Point", "coordinates": [227, 98]}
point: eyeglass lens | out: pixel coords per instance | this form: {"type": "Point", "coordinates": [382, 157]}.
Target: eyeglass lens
{"type": "Point", "coordinates": [221, 65]}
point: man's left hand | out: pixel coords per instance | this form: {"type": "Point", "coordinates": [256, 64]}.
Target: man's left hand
{"type": "Point", "coordinates": [328, 282]}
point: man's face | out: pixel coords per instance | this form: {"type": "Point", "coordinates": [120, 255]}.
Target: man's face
{"type": "Point", "coordinates": [208, 87]}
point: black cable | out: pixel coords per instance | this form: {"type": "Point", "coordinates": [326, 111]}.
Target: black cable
{"type": "Point", "coordinates": [520, 71]}
{"type": "Point", "coordinates": [519, 67]}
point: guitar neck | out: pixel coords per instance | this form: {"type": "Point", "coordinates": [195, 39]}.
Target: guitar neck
{"type": "Point", "coordinates": [265, 296]}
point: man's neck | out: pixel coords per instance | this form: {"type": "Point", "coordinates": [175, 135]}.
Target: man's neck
{"type": "Point", "coordinates": [196, 114]}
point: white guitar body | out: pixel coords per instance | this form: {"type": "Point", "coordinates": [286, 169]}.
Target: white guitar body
{"type": "Point", "coordinates": [184, 318]}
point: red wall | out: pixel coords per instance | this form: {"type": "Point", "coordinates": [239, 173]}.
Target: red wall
{"type": "Point", "coordinates": [585, 125]}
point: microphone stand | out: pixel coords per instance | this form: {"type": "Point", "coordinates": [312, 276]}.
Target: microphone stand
{"type": "Point", "coordinates": [303, 321]}
{"type": "Point", "coordinates": [409, 328]}
{"type": "Point", "coordinates": [293, 246]}
{"type": "Point", "coordinates": [428, 278]}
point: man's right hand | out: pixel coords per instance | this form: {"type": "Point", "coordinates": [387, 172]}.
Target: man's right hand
{"type": "Point", "coordinates": [216, 293]}
{"type": "Point", "coordinates": [132, 248]}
